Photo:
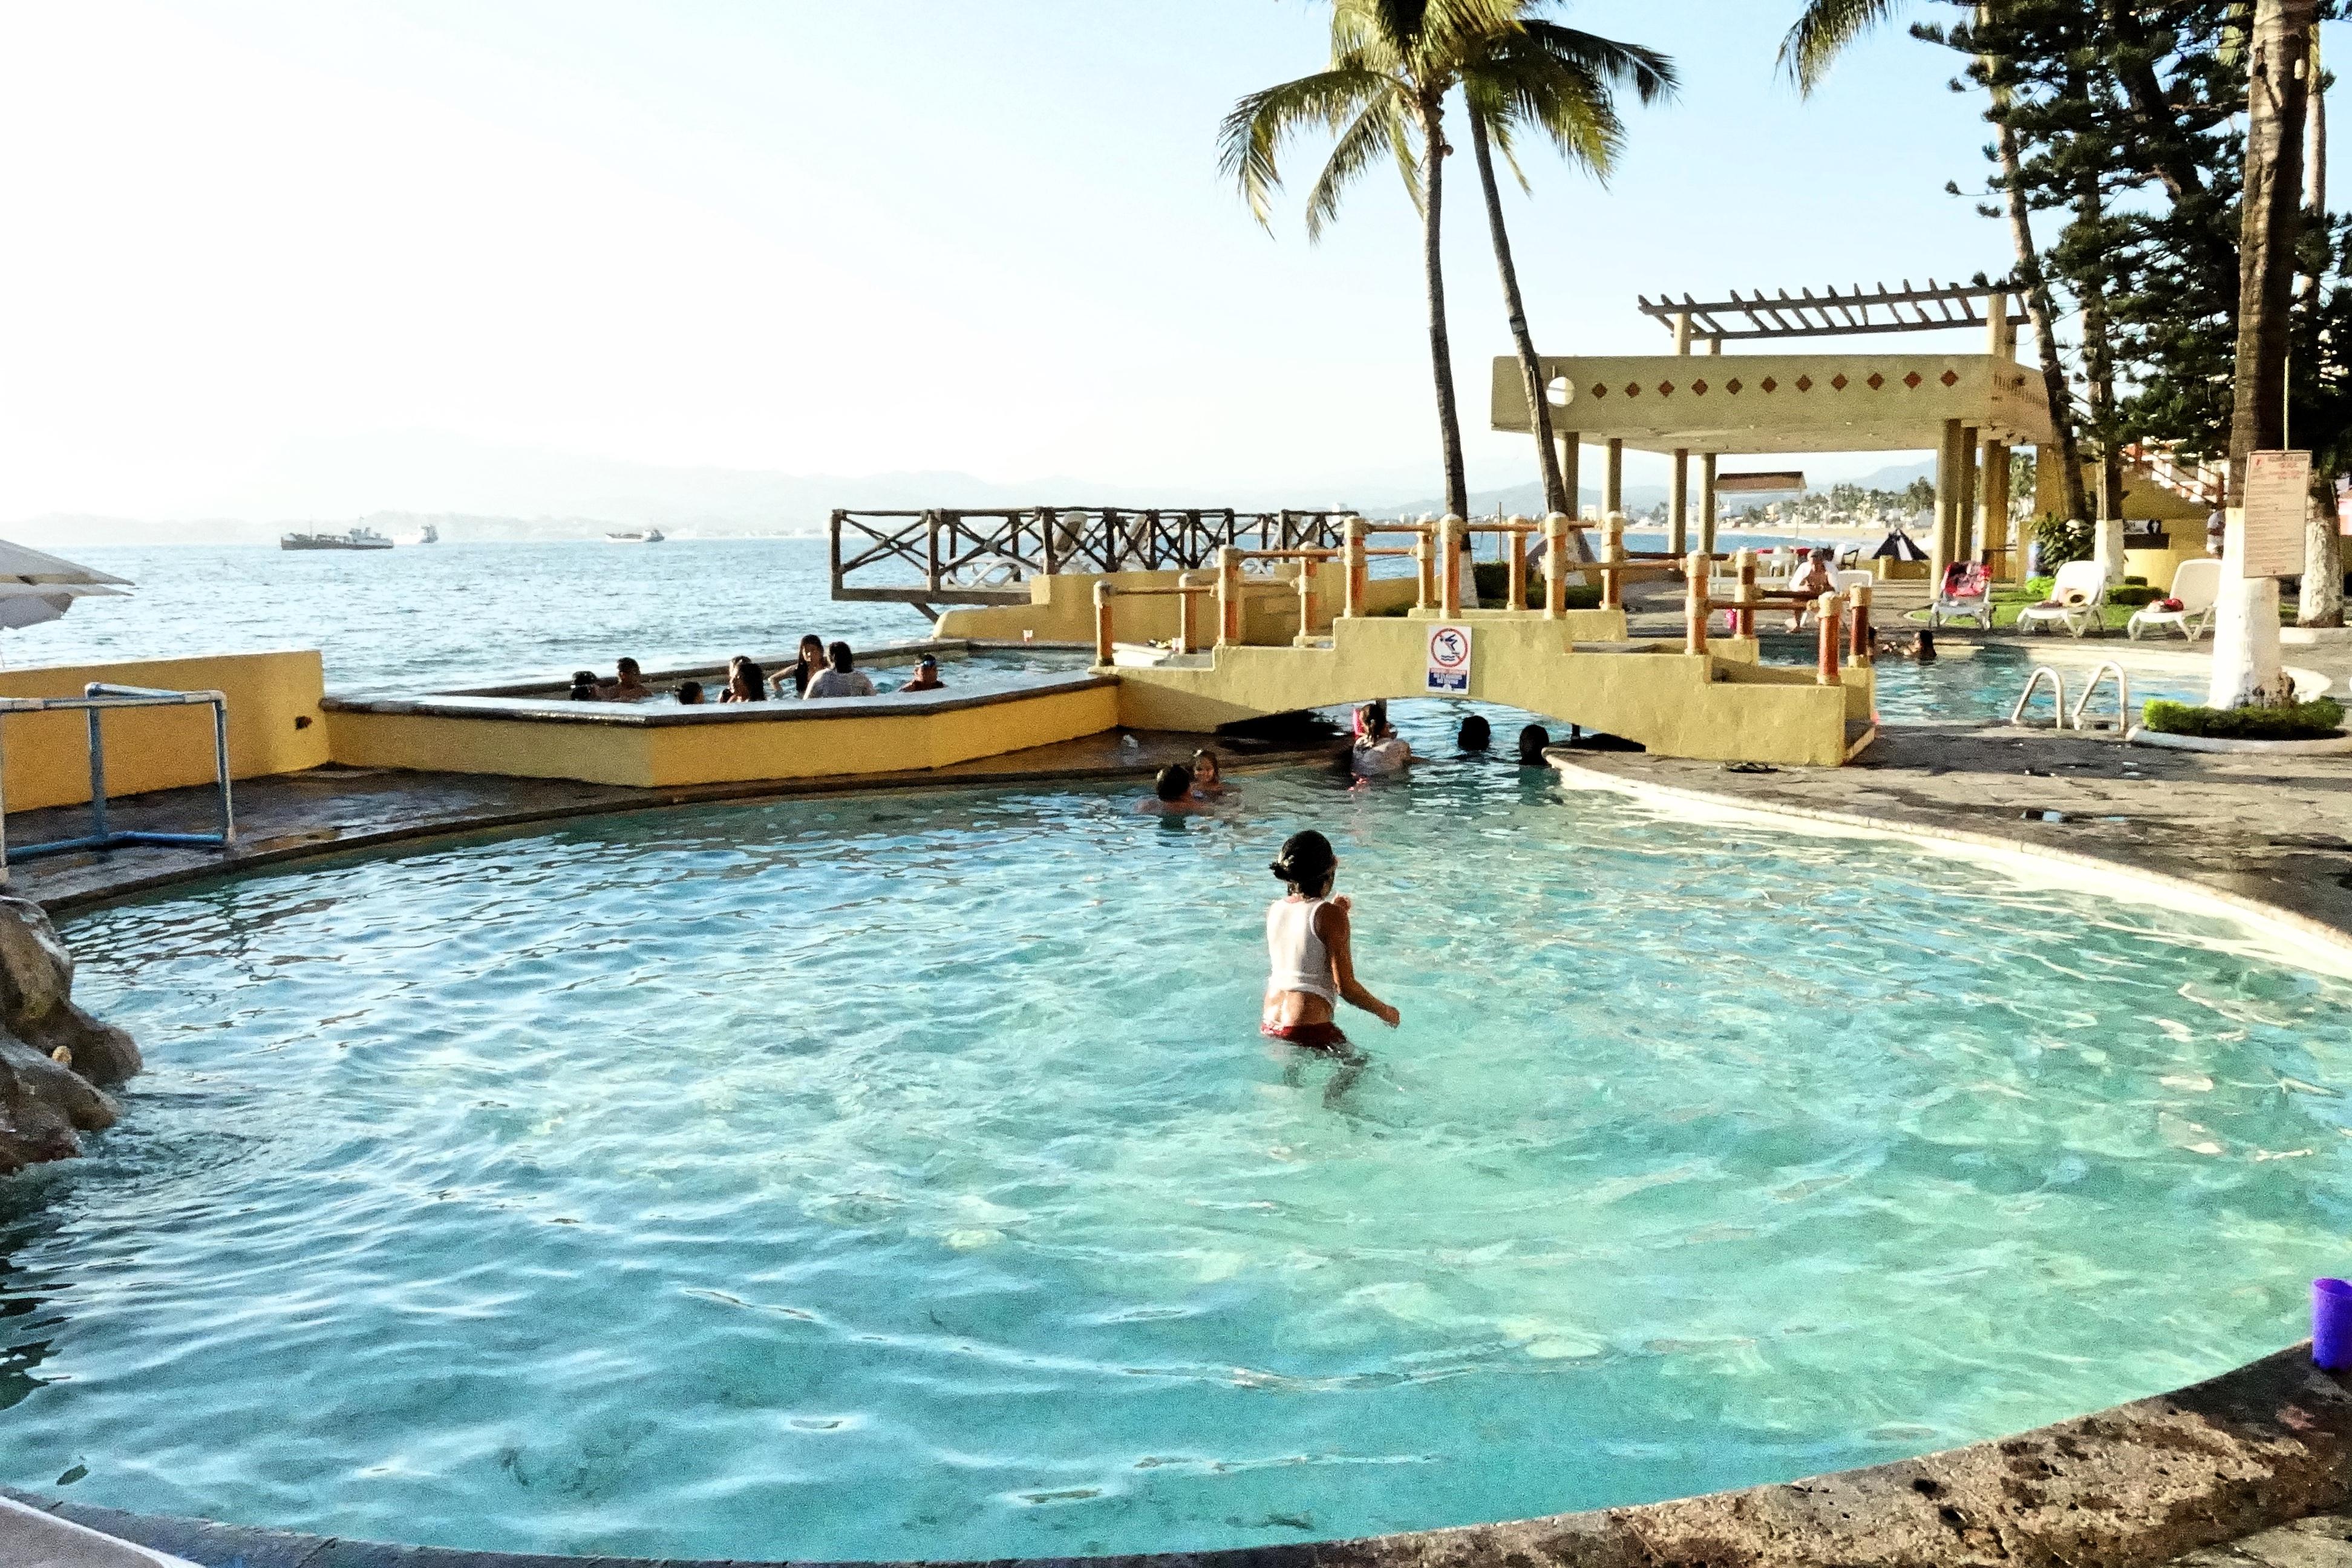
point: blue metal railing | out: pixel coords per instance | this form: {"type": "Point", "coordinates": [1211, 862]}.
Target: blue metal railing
{"type": "Point", "coordinates": [96, 699]}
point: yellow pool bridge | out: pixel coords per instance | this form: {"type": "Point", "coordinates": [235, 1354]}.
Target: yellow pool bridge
{"type": "Point", "coordinates": [1698, 696]}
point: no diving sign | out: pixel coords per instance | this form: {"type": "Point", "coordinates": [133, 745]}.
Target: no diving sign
{"type": "Point", "coordinates": [1449, 660]}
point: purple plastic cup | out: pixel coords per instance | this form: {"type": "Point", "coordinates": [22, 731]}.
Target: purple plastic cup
{"type": "Point", "coordinates": [2331, 1325]}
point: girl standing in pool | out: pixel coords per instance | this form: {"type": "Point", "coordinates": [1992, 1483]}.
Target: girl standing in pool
{"type": "Point", "coordinates": [1308, 946]}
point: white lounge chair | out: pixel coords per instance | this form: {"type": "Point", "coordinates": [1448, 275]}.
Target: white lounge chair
{"type": "Point", "coordinates": [2077, 598]}
{"type": "Point", "coordinates": [1965, 596]}
{"type": "Point", "coordinates": [2197, 585]}
{"type": "Point", "coordinates": [1849, 580]}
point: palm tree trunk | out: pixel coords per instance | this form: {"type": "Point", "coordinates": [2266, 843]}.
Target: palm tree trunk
{"type": "Point", "coordinates": [2245, 637]}
{"type": "Point", "coordinates": [2272, 220]}
{"type": "Point", "coordinates": [2035, 283]}
{"type": "Point", "coordinates": [1531, 375]}
{"type": "Point", "coordinates": [1440, 350]}
{"type": "Point", "coordinates": [2320, 601]}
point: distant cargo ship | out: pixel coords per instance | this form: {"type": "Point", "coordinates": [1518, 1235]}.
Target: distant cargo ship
{"type": "Point", "coordinates": [349, 538]}
{"type": "Point", "coordinates": [635, 536]}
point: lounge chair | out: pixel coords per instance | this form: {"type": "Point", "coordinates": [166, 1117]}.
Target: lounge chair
{"type": "Point", "coordinates": [2197, 585]}
{"type": "Point", "coordinates": [2077, 598]}
{"type": "Point", "coordinates": [1966, 596]}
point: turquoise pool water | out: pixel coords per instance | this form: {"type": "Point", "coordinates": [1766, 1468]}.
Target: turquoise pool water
{"type": "Point", "coordinates": [905, 1176]}
{"type": "Point", "coordinates": [1980, 686]}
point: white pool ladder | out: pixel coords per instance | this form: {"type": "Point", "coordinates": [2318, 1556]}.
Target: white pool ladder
{"type": "Point", "coordinates": [2033, 684]}
{"type": "Point", "coordinates": [2123, 696]}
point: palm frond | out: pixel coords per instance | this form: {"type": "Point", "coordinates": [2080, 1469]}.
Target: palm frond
{"type": "Point", "coordinates": [1250, 139]}
{"type": "Point", "coordinates": [1823, 31]}
{"type": "Point", "coordinates": [1381, 127]}
{"type": "Point", "coordinates": [1650, 74]}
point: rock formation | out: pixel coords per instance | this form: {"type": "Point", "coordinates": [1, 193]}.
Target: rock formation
{"type": "Point", "coordinates": [53, 1054]}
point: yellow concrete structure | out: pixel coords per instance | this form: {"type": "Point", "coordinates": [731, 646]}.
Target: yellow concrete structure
{"type": "Point", "coordinates": [653, 748]}
{"type": "Point", "coordinates": [275, 726]}
{"type": "Point", "coordinates": [1716, 705]}
{"type": "Point", "coordinates": [1061, 607]}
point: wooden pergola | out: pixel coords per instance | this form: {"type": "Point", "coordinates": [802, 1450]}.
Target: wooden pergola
{"type": "Point", "coordinates": [1970, 409]}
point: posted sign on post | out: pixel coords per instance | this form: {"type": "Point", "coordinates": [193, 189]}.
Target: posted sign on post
{"type": "Point", "coordinates": [1449, 661]}
{"type": "Point", "coordinates": [2278, 499]}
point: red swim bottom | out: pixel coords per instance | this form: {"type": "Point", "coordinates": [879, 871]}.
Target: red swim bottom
{"type": "Point", "coordinates": [1314, 1037]}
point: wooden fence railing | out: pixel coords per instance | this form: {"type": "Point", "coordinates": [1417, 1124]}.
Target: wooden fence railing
{"type": "Point", "coordinates": [986, 555]}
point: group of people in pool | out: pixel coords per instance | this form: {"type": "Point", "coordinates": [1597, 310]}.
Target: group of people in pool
{"type": "Point", "coordinates": [1379, 750]}
{"type": "Point", "coordinates": [821, 670]}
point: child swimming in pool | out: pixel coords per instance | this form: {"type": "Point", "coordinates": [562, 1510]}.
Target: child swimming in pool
{"type": "Point", "coordinates": [1308, 948]}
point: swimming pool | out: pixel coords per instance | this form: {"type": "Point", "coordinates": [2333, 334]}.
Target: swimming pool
{"type": "Point", "coordinates": [903, 1176]}
{"type": "Point", "coordinates": [1978, 683]}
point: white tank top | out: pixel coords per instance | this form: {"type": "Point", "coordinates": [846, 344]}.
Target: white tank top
{"type": "Point", "coordinates": [1299, 960]}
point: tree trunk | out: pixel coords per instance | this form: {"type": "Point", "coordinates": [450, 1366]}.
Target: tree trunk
{"type": "Point", "coordinates": [2099, 356]}
{"type": "Point", "coordinates": [1440, 350]}
{"type": "Point", "coordinates": [2320, 602]}
{"type": "Point", "coordinates": [2245, 639]}
{"type": "Point", "coordinates": [1531, 375]}
{"type": "Point", "coordinates": [2035, 283]}
{"type": "Point", "coordinates": [2272, 219]}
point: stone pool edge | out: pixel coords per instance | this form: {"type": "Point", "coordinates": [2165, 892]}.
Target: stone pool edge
{"type": "Point", "coordinates": [2122, 878]}
{"type": "Point", "coordinates": [2135, 1484]}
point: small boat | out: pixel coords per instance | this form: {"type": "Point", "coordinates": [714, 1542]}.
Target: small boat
{"type": "Point", "coordinates": [431, 535]}
{"type": "Point", "coordinates": [349, 538]}
{"type": "Point", "coordinates": [635, 536]}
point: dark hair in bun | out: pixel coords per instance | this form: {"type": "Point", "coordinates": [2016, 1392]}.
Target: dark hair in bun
{"type": "Point", "coordinates": [1307, 862]}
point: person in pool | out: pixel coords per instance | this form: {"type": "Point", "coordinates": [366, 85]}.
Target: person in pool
{"type": "Point", "coordinates": [840, 677]}
{"type": "Point", "coordinates": [689, 694]}
{"type": "Point", "coordinates": [629, 683]}
{"type": "Point", "coordinates": [926, 675]}
{"type": "Point", "coordinates": [1533, 738]}
{"type": "Point", "coordinates": [1172, 794]}
{"type": "Point", "coordinates": [585, 687]}
{"type": "Point", "coordinates": [746, 681]}
{"type": "Point", "coordinates": [1379, 748]}
{"type": "Point", "coordinates": [804, 668]}
{"type": "Point", "coordinates": [1309, 954]}
{"type": "Point", "coordinates": [1475, 736]}
{"type": "Point", "coordinates": [1208, 775]}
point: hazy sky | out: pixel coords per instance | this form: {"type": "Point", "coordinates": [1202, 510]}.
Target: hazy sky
{"type": "Point", "coordinates": [836, 238]}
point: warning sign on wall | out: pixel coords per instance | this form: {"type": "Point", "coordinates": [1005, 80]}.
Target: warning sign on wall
{"type": "Point", "coordinates": [1449, 661]}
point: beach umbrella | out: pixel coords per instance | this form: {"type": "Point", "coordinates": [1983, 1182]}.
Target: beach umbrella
{"type": "Point", "coordinates": [1899, 546]}
{"type": "Point", "coordinates": [29, 603]}
{"type": "Point", "coordinates": [27, 567]}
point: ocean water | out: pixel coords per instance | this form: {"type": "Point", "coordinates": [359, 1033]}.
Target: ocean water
{"type": "Point", "coordinates": [424, 618]}
{"type": "Point", "coordinates": [904, 1177]}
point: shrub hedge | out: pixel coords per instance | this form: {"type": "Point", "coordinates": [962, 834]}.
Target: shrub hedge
{"type": "Point", "coordinates": [2317, 721]}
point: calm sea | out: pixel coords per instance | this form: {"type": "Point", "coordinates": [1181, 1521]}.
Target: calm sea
{"type": "Point", "coordinates": [419, 618]}
{"type": "Point", "coordinates": [429, 617]}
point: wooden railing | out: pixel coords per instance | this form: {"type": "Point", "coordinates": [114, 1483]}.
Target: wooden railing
{"type": "Point", "coordinates": [986, 555]}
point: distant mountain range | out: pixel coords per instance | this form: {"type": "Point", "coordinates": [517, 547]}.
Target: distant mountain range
{"type": "Point", "coordinates": [525, 493]}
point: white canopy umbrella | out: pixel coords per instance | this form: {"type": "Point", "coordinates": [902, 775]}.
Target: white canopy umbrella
{"type": "Point", "coordinates": [36, 586]}
{"type": "Point", "coordinates": [29, 568]}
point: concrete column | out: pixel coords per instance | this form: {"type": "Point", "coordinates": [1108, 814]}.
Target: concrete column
{"type": "Point", "coordinates": [1571, 463]}
{"type": "Point", "coordinates": [1555, 565]}
{"type": "Point", "coordinates": [1515, 557]}
{"type": "Point", "coordinates": [1964, 524]}
{"type": "Point", "coordinates": [1993, 503]}
{"type": "Point", "coordinates": [1678, 505]}
{"type": "Point", "coordinates": [1715, 345]}
{"type": "Point", "coordinates": [1947, 504]}
{"type": "Point", "coordinates": [1997, 341]}
{"type": "Point", "coordinates": [1612, 484]}
{"type": "Point", "coordinates": [1681, 331]}
{"type": "Point", "coordinates": [1450, 540]}
{"type": "Point", "coordinates": [1706, 502]}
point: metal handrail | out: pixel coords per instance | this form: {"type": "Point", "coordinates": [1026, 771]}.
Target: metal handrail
{"type": "Point", "coordinates": [2032, 684]}
{"type": "Point", "coordinates": [96, 699]}
{"type": "Point", "coordinates": [2123, 695]}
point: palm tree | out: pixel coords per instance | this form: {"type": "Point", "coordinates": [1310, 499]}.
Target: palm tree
{"type": "Point", "coordinates": [1820, 35]}
{"type": "Point", "coordinates": [1562, 84]}
{"type": "Point", "coordinates": [1392, 64]}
